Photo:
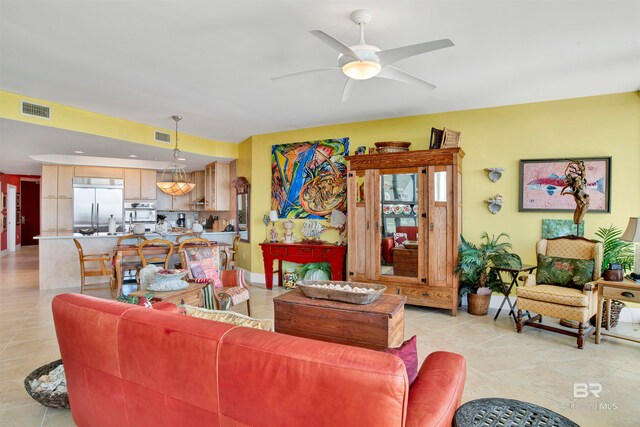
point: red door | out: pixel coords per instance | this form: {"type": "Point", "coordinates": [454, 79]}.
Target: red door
{"type": "Point", "coordinates": [30, 212]}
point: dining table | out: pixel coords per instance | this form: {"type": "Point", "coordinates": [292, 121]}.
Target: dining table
{"type": "Point", "coordinates": [122, 251]}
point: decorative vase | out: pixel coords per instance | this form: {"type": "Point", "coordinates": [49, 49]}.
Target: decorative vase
{"type": "Point", "coordinates": [290, 279]}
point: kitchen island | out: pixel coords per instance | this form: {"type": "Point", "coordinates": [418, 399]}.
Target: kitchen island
{"type": "Point", "coordinates": [58, 257]}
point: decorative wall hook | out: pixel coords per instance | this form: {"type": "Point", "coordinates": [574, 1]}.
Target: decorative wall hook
{"type": "Point", "coordinates": [495, 203]}
{"type": "Point", "coordinates": [494, 173]}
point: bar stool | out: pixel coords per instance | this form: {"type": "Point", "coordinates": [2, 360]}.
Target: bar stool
{"type": "Point", "coordinates": [230, 254]}
{"type": "Point", "coordinates": [103, 271]}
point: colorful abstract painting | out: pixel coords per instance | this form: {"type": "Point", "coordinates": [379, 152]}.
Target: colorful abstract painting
{"type": "Point", "coordinates": [552, 228]}
{"type": "Point", "coordinates": [309, 179]}
{"type": "Point", "coordinates": [542, 180]}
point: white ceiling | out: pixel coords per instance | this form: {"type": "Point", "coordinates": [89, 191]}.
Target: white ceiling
{"type": "Point", "coordinates": [211, 61]}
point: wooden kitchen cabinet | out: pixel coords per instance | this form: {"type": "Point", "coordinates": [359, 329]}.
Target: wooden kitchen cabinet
{"type": "Point", "coordinates": [98, 172]}
{"type": "Point", "coordinates": [49, 182]}
{"type": "Point", "coordinates": [65, 215]}
{"type": "Point", "coordinates": [139, 184]}
{"type": "Point", "coordinates": [197, 194]}
{"type": "Point", "coordinates": [131, 184]}
{"type": "Point", "coordinates": [217, 191]}
{"type": "Point", "coordinates": [48, 215]}
{"type": "Point", "coordinates": [65, 182]}
{"type": "Point", "coordinates": [148, 184]}
{"type": "Point", "coordinates": [417, 193]}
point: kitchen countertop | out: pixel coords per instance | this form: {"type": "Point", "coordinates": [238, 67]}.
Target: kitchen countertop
{"type": "Point", "coordinates": [51, 236]}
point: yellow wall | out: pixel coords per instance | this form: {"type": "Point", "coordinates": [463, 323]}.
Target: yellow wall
{"type": "Point", "coordinates": [244, 168]}
{"type": "Point", "coordinates": [606, 125]}
{"type": "Point", "coordinates": [75, 119]}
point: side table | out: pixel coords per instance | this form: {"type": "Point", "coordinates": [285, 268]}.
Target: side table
{"type": "Point", "coordinates": [506, 291]}
{"type": "Point", "coordinates": [627, 290]}
{"type": "Point", "coordinates": [507, 412]}
{"type": "Point", "coordinates": [191, 295]}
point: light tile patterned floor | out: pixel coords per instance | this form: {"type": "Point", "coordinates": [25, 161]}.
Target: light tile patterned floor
{"type": "Point", "coordinates": [535, 366]}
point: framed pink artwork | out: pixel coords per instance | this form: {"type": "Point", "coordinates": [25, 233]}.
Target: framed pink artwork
{"type": "Point", "coordinates": [542, 181]}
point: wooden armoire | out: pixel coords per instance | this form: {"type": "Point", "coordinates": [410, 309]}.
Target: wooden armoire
{"type": "Point", "coordinates": [414, 195]}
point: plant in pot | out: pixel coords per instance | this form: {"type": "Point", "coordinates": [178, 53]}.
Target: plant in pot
{"type": "Point", "coordinates": [615, 251]}
{"type": "Point", "coordinates": [477, 280]}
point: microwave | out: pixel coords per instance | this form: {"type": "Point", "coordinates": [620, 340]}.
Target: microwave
{"type": "Point", "coordinates": [140, 212]}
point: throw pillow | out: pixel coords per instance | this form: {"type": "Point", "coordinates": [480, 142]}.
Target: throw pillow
{"type": "Point", "coordinates": [230, 317]}
{"type": "Point", "coordinates": [399, 238]}
{"type": "Point", "coordinates": [567, 272]}
{"type": "Point", "coordinates": [408, 352]}
{"type": "Point", "coordinates": [144, 302]}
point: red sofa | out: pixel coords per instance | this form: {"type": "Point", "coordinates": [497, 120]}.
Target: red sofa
{"type": "Point", "coordinates": [388, 244]}
{"type": "Point", "coordinates": [132, 366]}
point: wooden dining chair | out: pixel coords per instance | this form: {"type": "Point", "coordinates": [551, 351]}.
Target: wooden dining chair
{"type": "Point", "coordinates": [194, 241]}
{"type": "Point", "coordinates": [183, 236]}
{"type": "Point", "coordinates": [130, 263]}
{"type": "Point", "coordinates": [157, 258]}
{"type": "Point", "coordinates": [230, 254]}
{"type": "Point", "coordinates": [103, 259]}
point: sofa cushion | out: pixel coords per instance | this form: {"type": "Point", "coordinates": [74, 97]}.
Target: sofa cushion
{"type": "Point", "coordinates": [399, 238]}
{"type": "Point", "coordinates": [408, 352]}
{"type": "Point", "coordinates": [569, 272]}
{"type": "Point", "coordinates": [554, 294]}
{"type": "Point", "coordinates": [229, 317]}
{"type": "Point", "coordinates": [202, 262]}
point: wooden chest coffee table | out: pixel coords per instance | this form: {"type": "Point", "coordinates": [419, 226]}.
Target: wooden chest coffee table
{"type": "Point", "coordinates": [191, 295]}
{"type": "Point", "coordinates": [376, 326]}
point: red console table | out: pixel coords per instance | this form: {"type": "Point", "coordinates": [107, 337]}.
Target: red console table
{"type": "Point", "coordinates": [301, 253]}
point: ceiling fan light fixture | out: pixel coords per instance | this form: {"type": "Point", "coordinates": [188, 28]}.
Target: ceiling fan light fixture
{"type": "Point", "coordinates": [361, 70]}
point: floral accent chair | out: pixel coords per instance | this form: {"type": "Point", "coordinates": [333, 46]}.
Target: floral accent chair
{"type": "Point", "coordinates": [226, 288]}
{"type": "Point", "coordinates": [562, 286]}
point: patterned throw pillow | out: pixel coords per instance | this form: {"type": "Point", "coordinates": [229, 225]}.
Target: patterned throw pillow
{"type": "Point", "coordinates": [203, 262]}
{"type": "Point", "coordinates": [399, 238]}
{"type": "Point", "coordinates": [408, 352]}
{"type": "Point", "coordinates": [567, 272]}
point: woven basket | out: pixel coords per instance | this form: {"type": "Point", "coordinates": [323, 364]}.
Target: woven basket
{"type": "Point", "coordinates": [616, 308]}
{"type": "Point", "coordinates": [56, 401]}
{"type": "Point", "coordinates": [478, 304]}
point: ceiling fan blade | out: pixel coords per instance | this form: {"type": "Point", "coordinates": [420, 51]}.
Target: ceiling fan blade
{"type": "Point", "coordinates": [392, 55]}
{"type": "Point", "coordinates": [348, 89]}
{"type": "Point", "coordinates": [392, 73]}
{"type": "Point", "coordinates": [335, 44]}
{"type": "Point", "coordinates": [305, 72]}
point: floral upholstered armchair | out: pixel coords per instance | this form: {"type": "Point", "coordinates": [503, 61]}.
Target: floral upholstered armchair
{"type": "Point", "coordinates": [225, 288]}
{"type": "Point", "coordinates": [562, 286]}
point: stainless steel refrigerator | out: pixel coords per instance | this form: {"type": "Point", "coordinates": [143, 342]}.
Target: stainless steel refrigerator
{"type": "Point", "coordinates": [95, 200]}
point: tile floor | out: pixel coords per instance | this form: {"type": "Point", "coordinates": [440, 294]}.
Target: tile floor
{"type": "Point", "coordinates": [536, 366]}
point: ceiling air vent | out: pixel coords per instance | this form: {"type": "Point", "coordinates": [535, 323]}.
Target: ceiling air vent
{"type": "Point", "coordinates": [31, 109]}
{"type": "Point", "coordinates": [163, 137]}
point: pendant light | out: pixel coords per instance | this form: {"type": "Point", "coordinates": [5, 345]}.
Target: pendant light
{"type": "Point", "coordinates": [179, 183]}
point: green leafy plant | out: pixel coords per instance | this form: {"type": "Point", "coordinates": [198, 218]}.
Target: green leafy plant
{"type": "Point", "coordinates": [475, 262]}
{"type": "Point", "coordinates": [306, 271]}
{"type": "Point", "coordinates": [130, 299]}
{"type": "Point", "coordinates": [614, 249]}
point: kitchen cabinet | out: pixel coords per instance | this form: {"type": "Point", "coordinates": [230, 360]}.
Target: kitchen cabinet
{"type": "Point", "coordinates": [139, 184]}
{"type": "Point", "coordinates": [48, 215]}
{"type": "Point", "coordinates": [197, 194]}
{"type": "Point", "coordinates": [49, 181]}
{"type": "Point", "coordinates": [131, 184]}
{"type": "Point", "coordinates": [65, 182]}
{"type": "Point", "coordinates": [65, 215]}
{"type": "Point", "coordinates": [98, 172]}
{"type": "Point", "coordinates": [217, 191]}
{"type": "Point", "coordinates": [147, 184]}
{"type": "Point", "coordinates": [415, 196]}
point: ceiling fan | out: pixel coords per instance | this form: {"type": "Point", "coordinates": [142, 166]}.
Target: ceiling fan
{"type": "Point", "coordinates": [363, 61]}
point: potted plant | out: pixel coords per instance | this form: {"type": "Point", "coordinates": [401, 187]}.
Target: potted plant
{"type": "Point", "coordinates": [477, 280]}
{"type": "Point", "coordinates": [615, 251]}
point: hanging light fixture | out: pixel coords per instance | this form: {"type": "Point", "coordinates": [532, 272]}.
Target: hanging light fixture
{"type": "Point", "coordinates": [179, 184]}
